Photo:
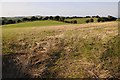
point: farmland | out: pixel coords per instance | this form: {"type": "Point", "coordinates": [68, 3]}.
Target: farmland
{"type": "Point", "coordinates": [61, 50]}
{"type": "Point", "coordinates": [34, 24]}
{"type": "Point", "coordinates": [81, 20]}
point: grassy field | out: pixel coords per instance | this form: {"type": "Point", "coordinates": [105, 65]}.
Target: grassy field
{"type": "Point", "coordinates": [34, 24]}
{"type": "Point", "coordinates": [64, 51]}
{"type": "Point", "coordinates": [46, 23]}
{"type": "Point", "coordinates": [81, 20]}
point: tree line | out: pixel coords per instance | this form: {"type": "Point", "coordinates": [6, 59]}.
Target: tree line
{"type": "Point", "coordinates": [6, 20]}
{"type": "Point", "coordinates": [102, 19]}
{"type": "Point", "coordinates": [35, 18]}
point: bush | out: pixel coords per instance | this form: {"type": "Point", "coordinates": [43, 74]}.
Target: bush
{"type": "Point", "coordinates": [11, 22]}
{"type": "Point", "coordinates": [111, 18]}
{"type": "Point", "coordinates": [87, 21]}
{"type": "Point", "coordinates": [75, 22]}
{"type": "Point", "coordinates": [18, 21]}
{"type": "Point", "coordinates": [25, 19]}
{"type": "Point", "coordinates": [88, 17]}
{"type": "Point", "coordinates": [33, 18]}
{"type": "Point", "coordinates": [57, 18]}
{"type": "Point", "coordinates": [98, 20]}
{"type": "Point", "coordinates": [91, 20]}
{"type": "Point", "coordinates": [51, 18]}
{"type": "Point", "coordinates": [62, 19]}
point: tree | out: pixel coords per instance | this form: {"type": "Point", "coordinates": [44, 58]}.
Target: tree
{"type": "Point", "coordinates": [3, 22]}
{"type": "Point", "coordinates": [103, 20]}
{"type": "Point", "coordinates": [98, 20]}
{"type": "Point", "coordinates": [51, 18]}
{"type": "Point", "coordinates": [87, 21]}
{"type": "Point", "coordinates": [75, 22]}
{"type": "Point", "coordinates": [33, 18]}
{"type": "Point", "coordinates": [25, 19]}
{"type": "Point", "coordinates": [11, 22]}
{"type": "Point", "coordinates": [40, 18]}
{"type": "Point", "coordinates": [62, 19]}
{"type": "Point", "coordinates": [57, 18]}
{"type": "Point", "coordinates": [87, 17]}
{"type": "Point", "coordinates": [91, 20]}
{"type": "Point", "coordinates": [18, 21]}
{"type": "Point", "coordinates": [97, 16]}
{"type": "Point", "coordinates": [111, 18]}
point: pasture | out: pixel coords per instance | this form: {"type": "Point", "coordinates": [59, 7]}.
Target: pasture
{"type": "Point", "coordinates": [34, 24]}
{"type": "Point", "coordinates": [56, 49]}
{"type": "Point", "coordinates": [81, 20]}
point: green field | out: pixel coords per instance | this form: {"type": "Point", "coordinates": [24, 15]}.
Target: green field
{"type": "Point", "coordinates": [53, 49]}
{"type": "Point", "coordinates": [34, 24]}
{"type": "Point", "coordinates": [81, 20]}
{"type": "Point", "coordinates": [46, 23]}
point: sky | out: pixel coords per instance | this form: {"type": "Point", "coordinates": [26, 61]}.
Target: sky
{"type": "Point", "coordinates": [65, 8]}
{"type": "Point", "coordinates": [59, 0]}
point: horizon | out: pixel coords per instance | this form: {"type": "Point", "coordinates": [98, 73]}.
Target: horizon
{"type": "Point", "coordinates": [18, 9]}
{"type": "Point", "coordinates": [55, 15]}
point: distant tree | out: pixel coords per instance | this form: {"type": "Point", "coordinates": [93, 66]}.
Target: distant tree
{"type": "Point", "coordinates": [103, 20]}
{"type": "Point", "coordinates": [97, 16]}
{"type": "Point", "coordinates": [51, 18]}
{"type": "Point", "coordinates": [33, 18]}
{"type": "Point", "coordinates": [46, 18]}
{"type": "Point", "coordinates": [40, 18]}
{"type": "Point", "coordinates": [62, 19]}
{"type": "Point", "coordinates": [87, 17]}
{"type": "Point", "coordinates": [111, 18]}
{"type": "Point", "coordinates": [3, 22]}
{"type": "Point", "coordinates": [75, 22]}
{"type": "Point", "coordinates": [98, 20]}
{"type": "Point", "coordinates": [67, 17]}
{"type": "Point", "coordinates": [57, 18]}
{"type": "Point", "coordinates": [25, 19]}
{"type": "Point", "coordinates": [87, 21]}
{"type": "Point", "coordinates": [18, 21]}
{"type": "Point", "coordinates": [11, 22]}
{"type": "Point", "coordinates": [91, 20]}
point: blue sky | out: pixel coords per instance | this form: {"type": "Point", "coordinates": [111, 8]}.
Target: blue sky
{"type": "Point", "coordinates": [60, 8]}
{"type": "Point", "coordinates": [59, 0]}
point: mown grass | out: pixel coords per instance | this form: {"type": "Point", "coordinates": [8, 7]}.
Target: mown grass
{"type": "Point", "coordinates": [81, 20]}
{"type": "Point", "coordinates": [76, 51]}
{"type": "Point", "coordinates": [34, 24]}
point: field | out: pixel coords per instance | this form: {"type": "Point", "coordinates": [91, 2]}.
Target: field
{"type": "Point", "coordinates": [34, 24]}
{"type": "Point", "coordinates": [81, 20]}
{"type": "Point", "coordinates": [61, 50]}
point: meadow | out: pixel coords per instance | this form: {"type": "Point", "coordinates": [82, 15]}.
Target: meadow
{"type": "Point", "coordinates": [56, 49]}
{"type": "Point", "coordinates": [34, 24]}
{"type": "Point", "coordinates": [82, 20]}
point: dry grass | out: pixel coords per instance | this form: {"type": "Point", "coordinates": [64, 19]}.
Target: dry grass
{"type": "Point", "coordinates": [74, 51]}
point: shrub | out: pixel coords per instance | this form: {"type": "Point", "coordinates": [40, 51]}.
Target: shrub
{"type": "Point", "coordinates": [18, 21]}
{"type": "Point", "coordinates": [91, 20]}
{"type": "Point", "coordinates": [87, 21]}
{"type": "Point", "coordinates": [33, 18]}
{"type": "Point", "coordinates": [75, 22]}
{"type": "Point", "coordinates": [51, 18]}
{"type": "Point", "coordinates": [87, 17]}
{"type": "Point", "coordinates": [11, 22]}
{"type": "Point", "coordinates": [25, 19]}
{"type": "Point", "coordinates": [98, 20]}
{"type": "Point", "coordinates": [57, 18]}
